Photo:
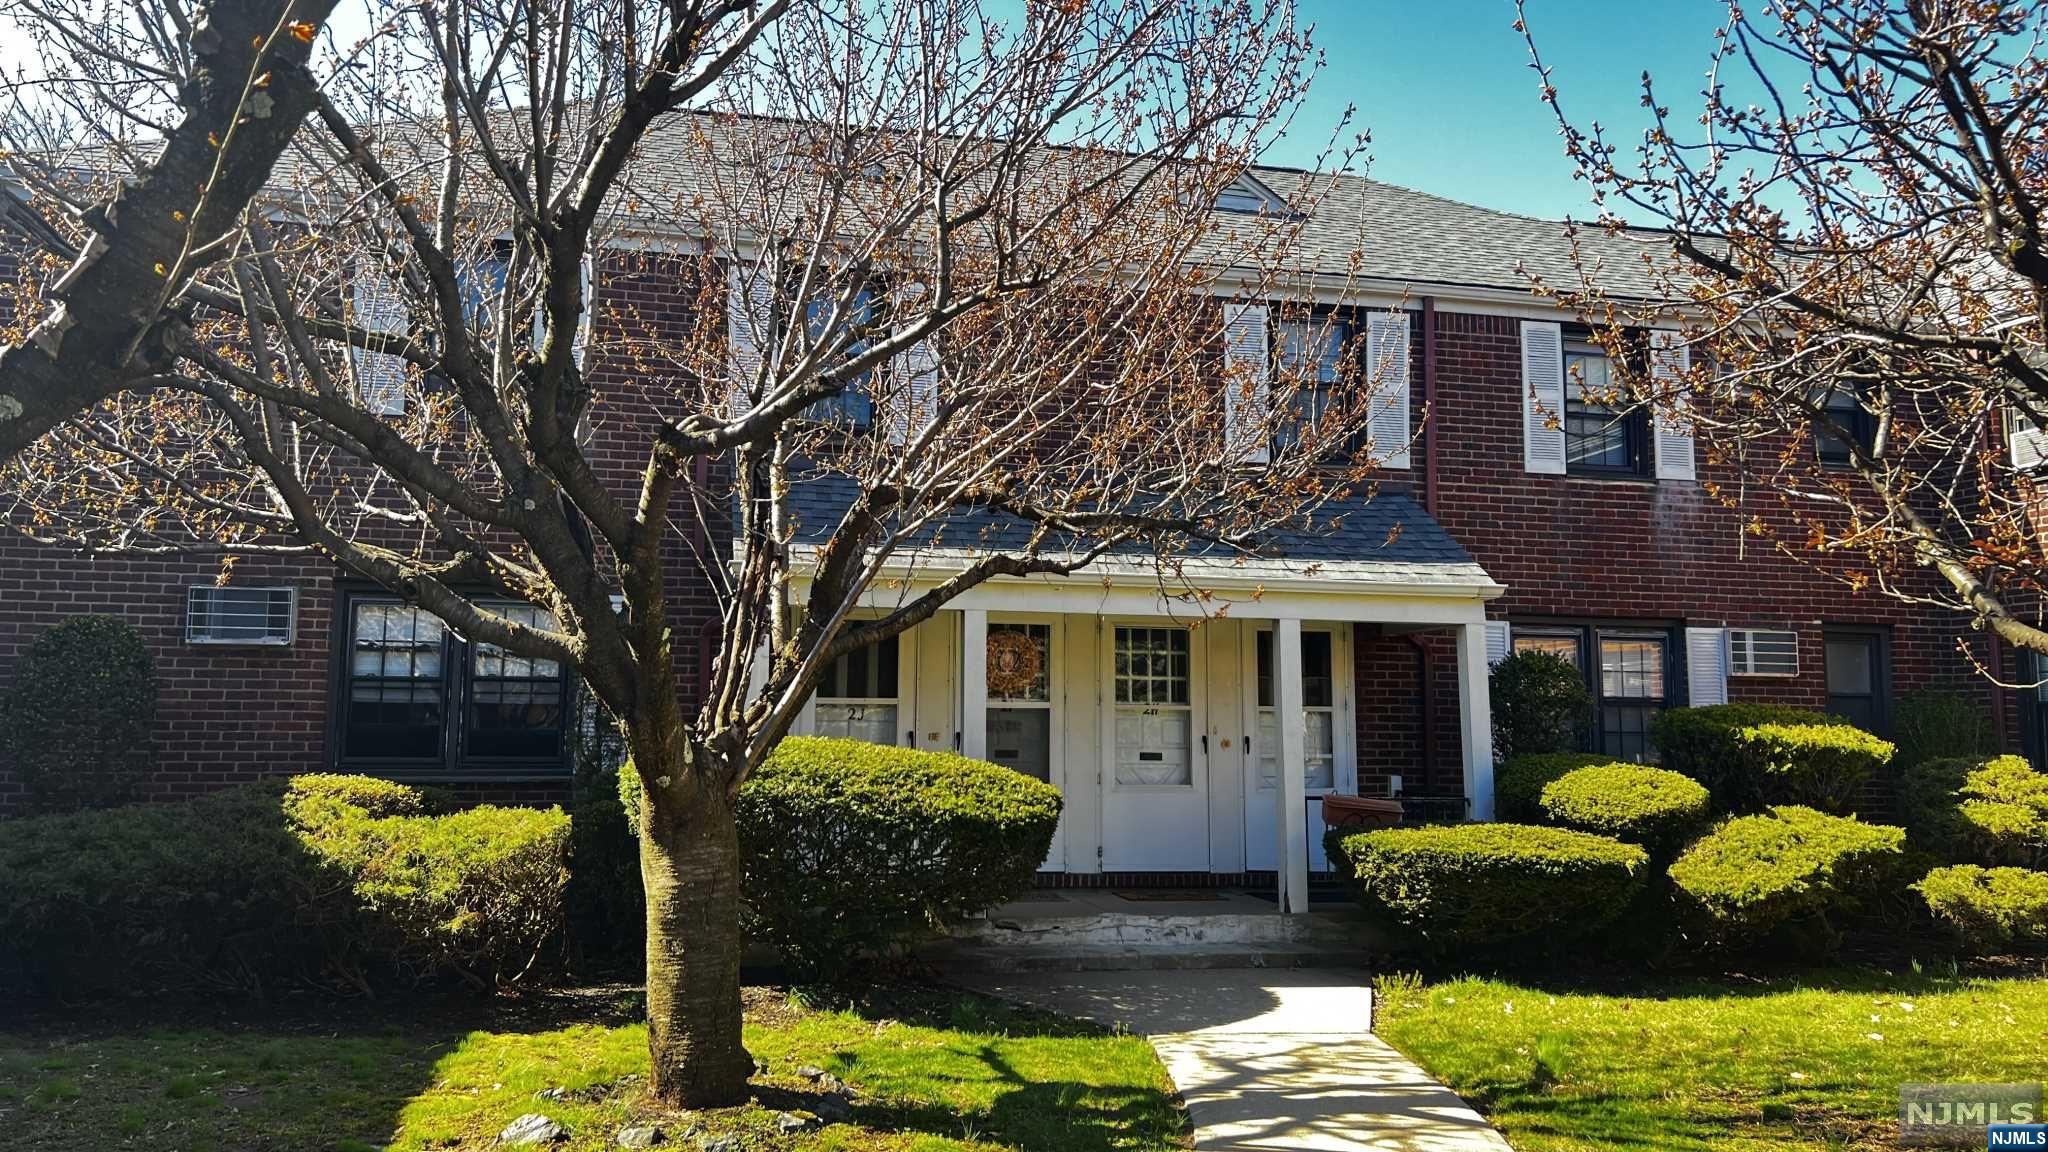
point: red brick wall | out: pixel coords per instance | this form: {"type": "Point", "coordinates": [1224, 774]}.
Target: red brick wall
{"type": "Point", "coordinates": [227, 715]}
{"type": "Point", "coordinates": [1612, 549]}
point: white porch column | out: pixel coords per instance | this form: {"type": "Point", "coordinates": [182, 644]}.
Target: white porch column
{"type": "Point", "coordinates": [974, 683]}
{"type": "Point", "coordinates": [1292, 765]}
{"type": "Point", "coordinates": [1475, 720]}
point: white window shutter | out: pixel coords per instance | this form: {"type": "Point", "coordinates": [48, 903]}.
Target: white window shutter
{"type": "Point", "coordinates": [2026, 442]}
{"type": "Point", "coordinates": [749, 329]}
{"type": "Point", "coordinates": [582, 341]}
{"type": "Point", "coordinates": [1670, 359]}
{"type": "Point", "coordinates": [1248, 385]}
{"type": "Point", "coordinates": [916, 396]}
{"type": "Point", "coordinates": [1542, 397]}
{"type": "Point", "coordinates": [1386, 349]}
{"type": "Point", "coordinates": [380, 376]}
{"type": "Point", "coordinates": [1499, 641]}
{"type": "Point", "coordinates": [1706, 666]}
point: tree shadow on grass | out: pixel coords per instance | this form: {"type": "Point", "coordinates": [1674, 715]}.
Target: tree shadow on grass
{"type": "Point", "coordinates": [308, 1072]}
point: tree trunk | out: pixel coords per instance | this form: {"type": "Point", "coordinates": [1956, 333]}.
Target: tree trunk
{"type": "Point", "coordinates": [690, 863]}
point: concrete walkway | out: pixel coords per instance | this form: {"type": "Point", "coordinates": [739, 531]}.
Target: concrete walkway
{"type": "Point", "coordinates": [1267, 1059]}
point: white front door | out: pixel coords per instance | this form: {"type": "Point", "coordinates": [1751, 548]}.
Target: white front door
{"type": "Point", "coordinates": [1155, 811]}
{"type": "Point", "coordinates": [1024, 696]}
{"type": "Point", "coordinates": [1331, 763]}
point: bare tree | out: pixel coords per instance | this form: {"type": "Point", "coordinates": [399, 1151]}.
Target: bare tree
{"type": "Point", "coordinates": [934, 262]}
{"type": "Point", "coordinates": [1857, 248]}
{"type": "Point", "coordinates": [199, 104]}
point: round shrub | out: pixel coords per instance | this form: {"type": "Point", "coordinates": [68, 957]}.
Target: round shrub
{"type": "Point", "coordinates": [1991, 811]}
{"type": "Point", "coordinates": [1540, 704]}
{"type": "Point", "coordinates": [1755, 755]}
{"type": "Point", "coordinates": [276, 883]}
{"type": "Point", "coordinates": [78, 721]}
{"type": "Point", "coordinates": [1754, 873]}
{"type": "Point", "coordinates": [1518, 783]}
{"type": "Point", "coordinates": [1653, 807]}
{"type": "Point", "coordinates": [1488, 883]}
{"type": "Point", "coordinates": [1989, 908]}
{"type": "Point", "coordinates": [849, 847]}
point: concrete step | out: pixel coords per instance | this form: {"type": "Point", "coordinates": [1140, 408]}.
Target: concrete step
{"type": "Point", "coordinates": [959, 957]}
{"type": "Point", "coordinates": [1338, 926]}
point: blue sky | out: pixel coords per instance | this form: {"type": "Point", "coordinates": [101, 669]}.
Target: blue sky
{"type": "Point", "coordinates": [1447, 93]}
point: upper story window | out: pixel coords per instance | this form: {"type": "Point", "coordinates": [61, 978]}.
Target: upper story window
{"type": "Point", "coordinates": [1845, 409]}
{"type": "Point", "coordinates": [1312, 352]}
{"type": "Point", "coordinates": [825, 317]}
{"type": "Point", "coordinates": [1601, 437]}
{"type": "Point", "coordinates": [413, 697]}
{"type": "Point", "coordinates": [1248, 195]}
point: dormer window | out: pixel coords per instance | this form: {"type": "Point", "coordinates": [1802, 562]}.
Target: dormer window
{"type": "Point", "coordinates": [1248, 196]}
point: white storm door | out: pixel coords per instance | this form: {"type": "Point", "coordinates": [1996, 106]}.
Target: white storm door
{"type": "Point", "coordinates": [1024, 691]}
{"type": "Point", "coordinates": [1331, 760]}
{"type": "Point", "coordinates": [1155, 812]}
{"type": "Point", "coordinates": [861, 696]}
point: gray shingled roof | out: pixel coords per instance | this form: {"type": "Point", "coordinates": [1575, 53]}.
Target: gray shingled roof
{"type": "Point", "coordinates": [1386, 527]}
{"type": "Point", "coordinates": [1412, 236]}
{"type": "Point", "coordinates": [1408, 237]}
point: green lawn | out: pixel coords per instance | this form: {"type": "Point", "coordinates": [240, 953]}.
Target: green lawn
{"type": "Point", "coordinates": [929, 1071]}
{"type": "Point", "coordinates": [1777, 1064]}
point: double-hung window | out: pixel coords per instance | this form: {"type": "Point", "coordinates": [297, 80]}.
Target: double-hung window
{"type": "Point", "coordinates": [1627, 671]}
{"type": "Point", "coordinates": [828, 319]}
{"type": "Point", "coordinates": [1602, 437]}
{"type": "Point", "coordinates": [414, 697]}
{"type": "Point", "coordinates": [1845, 410]}
{"type": "Point", "coordinates": [1312, 354]}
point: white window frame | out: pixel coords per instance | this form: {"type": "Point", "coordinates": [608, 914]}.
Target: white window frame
{"type": "Point", "coordinates": [291, 629]}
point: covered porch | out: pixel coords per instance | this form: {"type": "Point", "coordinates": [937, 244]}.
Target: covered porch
{"type": "Point", "coordinates": [1192, 730]}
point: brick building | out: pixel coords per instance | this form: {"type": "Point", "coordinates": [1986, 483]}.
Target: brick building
{"type": "Point", "coordinates": [1498, 530]}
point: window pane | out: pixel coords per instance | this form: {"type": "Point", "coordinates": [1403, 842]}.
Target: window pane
{"type": "Point", "coordinates": [1565, 648]}
{"type": "Point", "coordinates": [1038, 637]}
{"type": "Point", "coordinates": [395, 702]}
{"type": "Point", "coordinates": [1631, 669]}
{"type": "Point", "coordinates": [515, 702]}
{"type": "Point", "coordinates": [874, 723]}
{"type": "Point", "coordinates": [1021, 739]}
{"type": "Point", "coordinates": [1595, 436]}
{"type": "Point", "coordinates": [1850, 670]}
{"type": "Point", "coordinates": [855, 405]}
{"type": "Point", "coordinates": [1151, 666]}
{"type": "Point", "coordinates": [1318, 690]}
{"type": "Point", "coordinates": [866, 673]}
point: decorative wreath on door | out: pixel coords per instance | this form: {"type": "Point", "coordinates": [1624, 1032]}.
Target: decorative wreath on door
{"type": "Point", "coordinates": [1014, 663]}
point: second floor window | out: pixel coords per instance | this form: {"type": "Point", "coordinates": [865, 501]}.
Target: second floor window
{"type": "Point", "coordinates": [825, 319]}
{"type": "Point", "coordinates": [1846, 411]}
{"type": "Point", "coordinates": [1601, 436]}
{"type": "Point", "coordinates": [1311, 351]}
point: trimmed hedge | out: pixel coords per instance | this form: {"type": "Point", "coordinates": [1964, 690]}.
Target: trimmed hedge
{"type": "Point", "coordinates": [1754, 873]}
{"type": "Point", "coordinates": [1518, 783]}
{"type": "Point", "coordinates": [1757, 755]}
{"type": "Point", "coordinates": [278, 883]}
{"type": "Point", "coordinates": [1930, 723]}
{"type": "Point", "coordinates": [1540, 704]}
{"type": "Point", "coordinates": [1989, 907]}
{"type": "Point", "coordinates": [1653, 807]}
{"type": "Point", "coordinates": [80, 718]}
{"type": "Point", "coordinates": [1476, 884]}
{"type": "Point", "coordinates": [849, 848]}
{"type": "Point", "coordinates": [1968, 811]}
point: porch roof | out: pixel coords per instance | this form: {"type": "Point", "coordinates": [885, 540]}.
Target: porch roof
{"type": "Point", "coordinates": [1380, 539]}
